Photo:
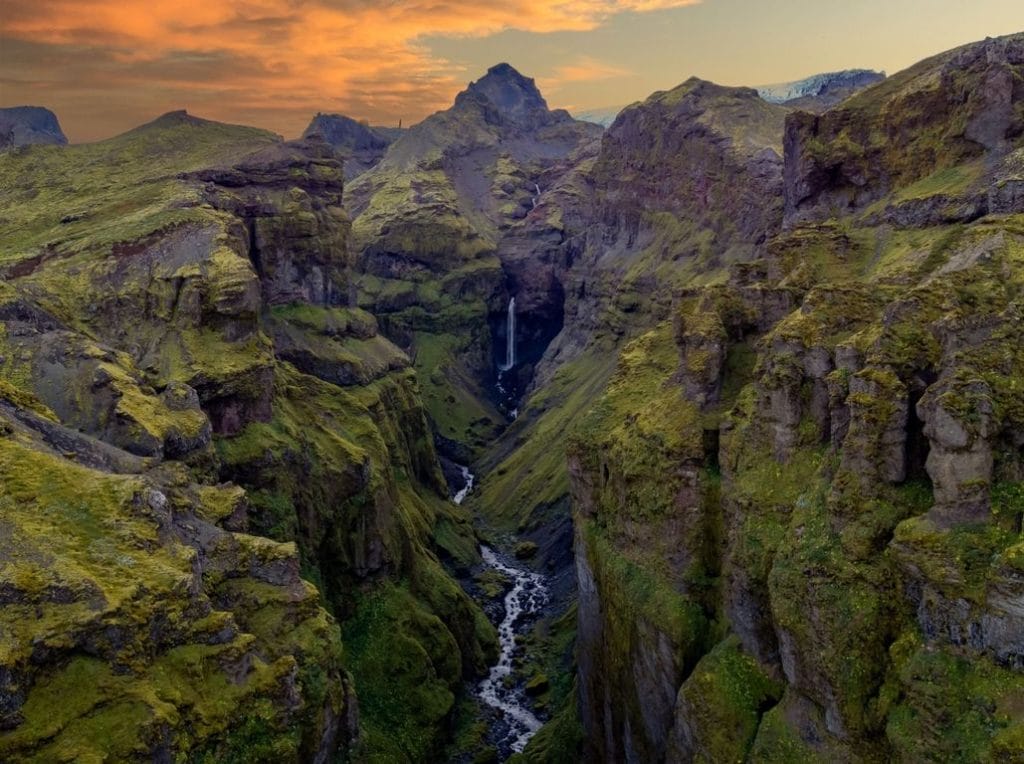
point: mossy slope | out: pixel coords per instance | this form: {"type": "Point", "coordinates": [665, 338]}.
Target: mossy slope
{"type": "Point", "coordinates": [202, 338]}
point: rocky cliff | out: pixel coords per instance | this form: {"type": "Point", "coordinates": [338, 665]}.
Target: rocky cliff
{"type": "Point", "coordinates": [194, 412]}
{"type": "Point", "coordinates": [798, 504]}
{"type": "Point", "coordinates": [27, 125]}
{"type": "Point", "coordinates": [362, 145]}
{"type": "Point", "coordinates": [938, 131]}
{"type": "Point", "coordinates": [427, 224]}
{"type": "Point", "coordinates": [679, 187]}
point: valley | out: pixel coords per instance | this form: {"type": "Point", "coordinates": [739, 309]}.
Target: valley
{"type": "Point", "coordinates": [511, 437]}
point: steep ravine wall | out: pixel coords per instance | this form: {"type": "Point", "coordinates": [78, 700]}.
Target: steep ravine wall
{"type": "Point", "coordinates": [844, 526]}
{"type": "Point", "coordinates": [798, 505]}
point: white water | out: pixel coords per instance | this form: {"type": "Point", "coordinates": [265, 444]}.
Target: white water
{"type": "Point", "coordinates": [510, 336]}
{"type": "Point", "coordinates": [469, 477]}
{"type": "Point", "coordinates": [535, 198]}
{"type": "Point", "coordinates": [526, 597]}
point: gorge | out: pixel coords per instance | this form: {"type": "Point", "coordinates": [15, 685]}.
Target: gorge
{"type": "Point", "coordinates": [363, 447]}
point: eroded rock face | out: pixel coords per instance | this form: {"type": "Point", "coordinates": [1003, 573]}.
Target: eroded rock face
{"type": "Point", "coordinates": [290, 199]}
{"type": "Point", "coordinates": [952, 109]}
{"type": "Point", "coordinates": [683, 182]}
{"type": "Point", "coordinates": [29, 125]}
{"type": "Point", "coordinates": [822, 452]}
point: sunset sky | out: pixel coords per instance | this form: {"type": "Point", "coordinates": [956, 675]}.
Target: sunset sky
{"type": "Point", "coordinates": [105, 66]}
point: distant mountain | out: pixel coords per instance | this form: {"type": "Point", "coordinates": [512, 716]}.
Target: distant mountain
{"type": "Point", "coordinates": [815, 93]}
{"type": "Point", "coordinates": [23, 125]}
{"type": "Point", "coordinates": [820, 91]}
{"type": "Point", "coordinates": [365, 145]}
{"type": "Point", "coordinates": [603, 116]}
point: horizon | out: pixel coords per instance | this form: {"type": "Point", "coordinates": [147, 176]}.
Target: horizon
{"type": "Point", "coordinates": [105, 68]}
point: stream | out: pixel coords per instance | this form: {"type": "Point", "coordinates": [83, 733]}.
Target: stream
{"type": "Point", "coordinates": [516, 722]}
{"type": "Point", "coordinates": [513, 722]}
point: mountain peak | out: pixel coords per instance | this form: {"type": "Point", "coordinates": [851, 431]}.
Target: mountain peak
{"type": "Point", "coordinates": [505, 69]}
{"type": "Point", "coordinates": [23, 125]}
{"type": "Point", "coordinates": [516, 97]}
{"type": "Point", "coordinates": [176, 117]}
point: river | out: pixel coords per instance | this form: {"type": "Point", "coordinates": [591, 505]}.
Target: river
{"type": "Point", "coordinates": [514, 721]}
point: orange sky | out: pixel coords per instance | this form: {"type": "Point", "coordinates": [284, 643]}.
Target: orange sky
{"type": "Point", "coordinates": [268, 62]}
{"type": "Point", "coordinates": [107, 65]}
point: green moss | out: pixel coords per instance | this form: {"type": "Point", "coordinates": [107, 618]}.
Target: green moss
{"type": "Point", "coordinates": [960, 560]}
{"type": "Point", "coordinates": [723, 700]}
{"type": "Point", "coordinates": [525, 474]}
{"type": "Point", "coordinates": [357, 466]}
{"type": "Point", "coordinates": [416, 212]}
{"type": "Point", "coordinates": [633, 594]}
{"type": "Point", "coordinates": [641, 429]}
{"type": "Point", "coordinates": [25, 400]}
{"type": "Point", "coordinates": [949, 181]}
{"type": "Point", "coordinates": [399, 655]}
{"type": "Point", "coordinates": [74, 181]}
{"type": "Point", "coordinates": [560, 741]}
{"type": "Point", "coordinates": [780, 742]}
{"type": "Point", "coordinates": [469, 737]}
{"type": "Point", "coordinates": [456, 403]}
{"type": "Point", "coordinates": [956, 709]}
{"type": "Point", "coordinates": [818, 574]}
{"type": "Point", "coordinates": [85, 563]}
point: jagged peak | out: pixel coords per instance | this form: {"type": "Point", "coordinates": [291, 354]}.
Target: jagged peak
{"type": "Point", "coordinates": [503, 87]}
{"type": "Point", "coordinates": [341, 130]}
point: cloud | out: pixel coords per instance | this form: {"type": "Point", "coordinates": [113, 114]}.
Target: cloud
{"type": "Point", "coordinates": [280, 60]}
{"type": "Point", "coordinates": [581, 69]}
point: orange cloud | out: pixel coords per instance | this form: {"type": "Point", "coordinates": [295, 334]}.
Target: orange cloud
{"type": "Point", "coordinates": [581, 69]}
{"type": "Point", "coordinates": [267, 62]}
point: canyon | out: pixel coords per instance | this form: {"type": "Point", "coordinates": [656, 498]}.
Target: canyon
{"type": "Point", "coordinates": [509, 436]}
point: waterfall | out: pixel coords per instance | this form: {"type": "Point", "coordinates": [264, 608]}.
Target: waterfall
{"type": "Point", "coordinates": [510, 338]}
{"type": "Point", "coordinates": [535, 198]}
{"type": "Point", "coordinates": [467, 486]}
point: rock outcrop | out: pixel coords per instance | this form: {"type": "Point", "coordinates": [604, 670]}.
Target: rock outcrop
{"type": "Point", "coordinates": [29, 125]}
{"type": "Point", "coordinates": [363, 145]}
